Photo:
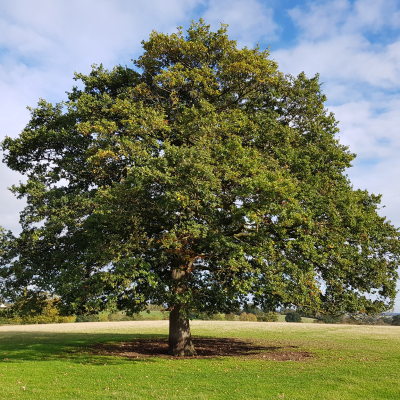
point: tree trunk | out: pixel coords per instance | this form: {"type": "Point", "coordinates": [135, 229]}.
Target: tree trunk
{"type": "Point", "coordinates": [180, 338]}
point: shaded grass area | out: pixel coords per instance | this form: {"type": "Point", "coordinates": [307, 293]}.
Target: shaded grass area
{"type": "Point", "coordinates": [59, 362]}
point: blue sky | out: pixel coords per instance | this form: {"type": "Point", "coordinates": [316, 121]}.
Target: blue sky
{"type": "Point", "coordinates": [353, 45]}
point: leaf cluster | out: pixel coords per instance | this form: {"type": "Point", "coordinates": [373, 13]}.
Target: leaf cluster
{"type": "Point", "coordinates": [201, 176]}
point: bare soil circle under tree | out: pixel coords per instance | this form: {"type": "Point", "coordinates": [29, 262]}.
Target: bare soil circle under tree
{"type": "Point", "coordinates": [205, 348]}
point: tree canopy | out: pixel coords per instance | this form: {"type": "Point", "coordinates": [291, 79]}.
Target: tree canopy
{"type": "Point", "coordinates": [197, 178]}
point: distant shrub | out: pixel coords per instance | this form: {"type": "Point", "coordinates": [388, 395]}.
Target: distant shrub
{"type": "Point", "coordinates": [285, 311]}
{"type": "Point", "coordinates": [293, 317]}
{"type": "Point", "coordinates": [114, 317]}
{"type": "Point", "coordinates": [251, 318]}
{"type": "Point", "coordinates": [396, 320]}
{"type": "Point", "coordinates": [359, 319]}
{"type": "Point", "coordinates": [230, 317]}
{"type": "Point", "coordinates": [204, 316]}
{"type": "Point", "coordinates": [17, 320]}
{"type": "Point", "coordinates": [330, 319]}
{"type": "Point", "coordinates": [87, 318]}
{"type": "Point", "coordinates": [6, 313]}
{"type": "Point", "coordinates": [37, 319]}
{"type": "Point", "coordinates": [133, 317]}
{"type": "Point", "coordinates": [250, 308]}
{"type": "Point", "coordinates": [247, 317]}
{"type": "Point", "coordinates": [243, 316]}
{"type": "Point", "coordinates": [36, 308]}
{"type": "Point", "coordinates": [267, 317]}
{"type": "Point", "coordinates": [387, 320]}
{"type": "Point", "coordinates": [44, 319]}
{"type": "Point", "coordinates": [104, 318]}
{"type": "Point", "coordinates": [217, 317]}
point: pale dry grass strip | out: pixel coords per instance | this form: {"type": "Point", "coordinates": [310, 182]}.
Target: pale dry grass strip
{"type": "Point", "coordinates": [219, 328]}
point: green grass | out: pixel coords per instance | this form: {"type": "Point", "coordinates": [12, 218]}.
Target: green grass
{"type": "Point", "coordinates": [51, 362]}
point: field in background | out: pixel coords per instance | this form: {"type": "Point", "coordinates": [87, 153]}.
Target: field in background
{"type": "Point", "coordinates": [281, 318]}
{"type": "Point", "coordinates": [55, 362]}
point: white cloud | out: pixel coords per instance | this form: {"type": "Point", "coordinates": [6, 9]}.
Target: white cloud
{"type": "Point", "coordinates": [362, 84]}
{"type": "Point", "coordinates": [334, 40]}
{"type": "Point", "coordinates": [247, 20]}
{"type": "Point", "coordinates": [344, 58]}
{"type": "Point", "coordinates": [349, 45]}
{"type": "Point", "coordinates": [322, 19]}
{"type": "Point", "coordinates": [81, 33]}
{"type": "Point", "coordinates": [42, 43]}
{"type": "Point", "coordinates": [373, 134]}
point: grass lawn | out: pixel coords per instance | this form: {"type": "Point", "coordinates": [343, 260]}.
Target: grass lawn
{"type": "Point", "coordinates": [54, 362]}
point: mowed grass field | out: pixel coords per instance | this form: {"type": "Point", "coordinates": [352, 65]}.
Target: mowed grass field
{"type": "Point", "coordinates": [57, 362]}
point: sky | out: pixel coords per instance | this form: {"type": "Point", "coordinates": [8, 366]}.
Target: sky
{"type": "Point", "coordinates": [354, 45]}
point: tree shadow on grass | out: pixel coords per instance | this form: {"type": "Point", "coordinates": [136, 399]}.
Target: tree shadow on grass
{"type": "Point", "coordinates": [100, 348]}
{"type": "Point", "coordinates": [205, 348]}
{"type": "Point", "coordinates": [51, 346]}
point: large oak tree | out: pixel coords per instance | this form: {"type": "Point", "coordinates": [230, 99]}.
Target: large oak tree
{"type": "Point", "coordinates": [197, 178]}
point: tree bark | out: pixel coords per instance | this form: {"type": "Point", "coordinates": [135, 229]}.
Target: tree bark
{"type": "Point", "coordinates": [180, 338]}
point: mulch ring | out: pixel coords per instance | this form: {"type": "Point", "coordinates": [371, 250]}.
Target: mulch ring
{"type": "Point", "coordinates": [206, 348]}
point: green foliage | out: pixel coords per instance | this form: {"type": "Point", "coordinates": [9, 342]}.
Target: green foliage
{"type": "Point", "coordinates": [154, 307]}
{"type": "Point", "coordinates": [251, 308]}
{"type": "Point", "coordinates": [103, 318]}
{"type": "Point", "coordinates": [330, 319]}
{"type": "Point", "coordinates": [386, 320]}
{"type": "Point", "coordinates": [133, 317]}
{"type": "Point", "coordinates": [247, 317]}
{"type": "Point", "coordinates": [208, 317]}
{"type": "Point", "coordinates": [304, 312]}
{"type": "Point", "coordinates": [217, 317]}
{"type": "Point", "coordinates": [39, 308]}
{"type": "Point", "coordinates": [123, 317]}
{"type": "Point", "coordinates": [285, 311]}
{"type": "Point", "coordinates": [293, 317]}
{"type": "Point", "coordinates": [230, 317]}
{"type": "Point", "coordinates": [201, 176]}
{"type": "Point", "coordinates": [87, 318]}
{"type": "Point", "coordinates": [120, 316]}
{"type": "Point", "coordinates": [365, 319]}
{"type": "Point", "coordinates": [114, 317]}
{"type": "Point", "coordinates": [267, 317]}
{"type": "Point", "coordinates": [6, 313]}
{"type": "Point", "coordinates": [396, 320]}
{"type": "Point", "coordinates": [203, 316]}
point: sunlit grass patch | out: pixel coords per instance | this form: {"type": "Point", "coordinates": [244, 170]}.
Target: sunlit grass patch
{"type": "Point", "coordinates": [58, 361]}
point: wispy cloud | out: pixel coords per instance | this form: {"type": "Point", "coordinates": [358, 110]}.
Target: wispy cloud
{"type": "Point", "coordinates": [42, 43]}
{"type": "Point", "coordinates": [342, 41]}
{"type": "Point", "coordinates": [249, 21]}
